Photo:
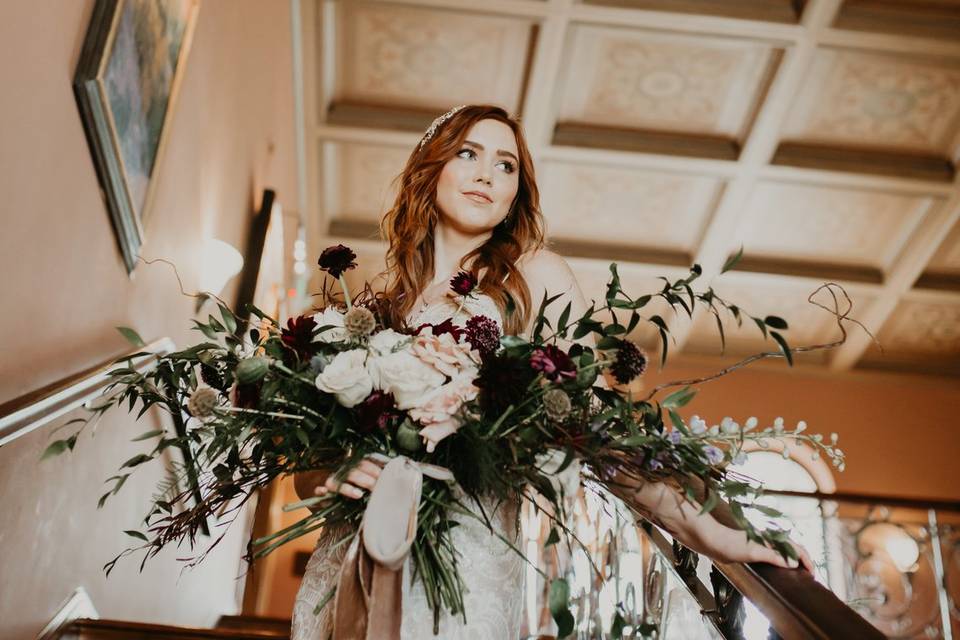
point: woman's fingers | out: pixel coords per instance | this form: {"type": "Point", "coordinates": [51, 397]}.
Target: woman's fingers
{"type": "Point", "coordinates": [370, 468]}
{"type": "Point", "coordinates": [805, 560]}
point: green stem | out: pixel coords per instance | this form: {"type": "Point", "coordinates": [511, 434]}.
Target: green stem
{"type": "Point", "coordinates": [346, 291]}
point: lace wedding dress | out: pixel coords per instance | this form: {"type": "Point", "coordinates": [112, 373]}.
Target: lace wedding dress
{"type": "Point", "coordinates": [491, 571]}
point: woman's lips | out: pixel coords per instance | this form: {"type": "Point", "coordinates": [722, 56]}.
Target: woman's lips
{"type": "Point", "coordinates": [478, 197]}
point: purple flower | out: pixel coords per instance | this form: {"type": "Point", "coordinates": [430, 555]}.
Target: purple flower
{"type": "Point", "coordinates": [655, 465]}
{"type": "Point", "coordinates": [629, 362]}
{"type": "Point", "coordinates": [463, 283]}
{"type": "Point", "coordinates": [483, 334]}
{"type": "Point", "coordinates": [446, 326]}
{"type": "Point", "coordinates": [337, 259]}
{"type": "Point", "coordinates": [553, 363]}
{"type": "Point", "coordinates": [298, 335]}
{"type": "Point", "coordinates": [674, 437]}
{"type": "Point", "coordinates": [714, 455]}
{"type": "Point", "coordinates": [376, 411]}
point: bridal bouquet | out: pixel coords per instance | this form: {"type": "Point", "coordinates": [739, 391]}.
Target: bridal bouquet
{"type": "Point", "coordinates": [479, 414]}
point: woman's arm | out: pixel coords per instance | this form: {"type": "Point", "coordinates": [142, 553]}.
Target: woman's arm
{"type": "Point", "coordinates": [546, 271]}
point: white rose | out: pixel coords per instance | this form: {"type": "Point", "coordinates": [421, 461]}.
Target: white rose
{"type": "Point", "coordinates": [568, 480]}
{"type": "Point", "coordinates": [384, 342]}
{"type": "Point", "coordinates": [330, 317]}
{"type": "Point", "coordinates": [406, 376]}
{"type": "Point", "coordinates": [346, 377]}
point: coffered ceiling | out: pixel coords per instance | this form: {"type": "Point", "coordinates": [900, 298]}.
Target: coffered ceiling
{"type": "Point", "coordinates": [822, 136]}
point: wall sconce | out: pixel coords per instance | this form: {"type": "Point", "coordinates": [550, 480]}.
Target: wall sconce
{"type": "Point", "coordinates": [221, 261]}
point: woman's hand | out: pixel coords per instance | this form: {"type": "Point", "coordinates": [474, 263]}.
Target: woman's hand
{"type": "Point", "coordinates": [362, 477]}
{"type": "Point", "coordinates": [704, 533]}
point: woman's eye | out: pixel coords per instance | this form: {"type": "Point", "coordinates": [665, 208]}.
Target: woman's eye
{"type": "Point", "coordinates": [507, 166]}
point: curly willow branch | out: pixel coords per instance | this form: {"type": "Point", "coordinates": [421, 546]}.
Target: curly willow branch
{"type": "Point", "coordinates": [835, 311]}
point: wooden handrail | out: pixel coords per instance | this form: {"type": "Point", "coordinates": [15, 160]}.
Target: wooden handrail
{"type": "Point", "coordinates": [124, 630]}
{"type": "Point", "coordinates": [31, 411]}
{"type": "Point", "coordinates": [872, 499]}
{"type": "Point", "coordinates": [795, 604]}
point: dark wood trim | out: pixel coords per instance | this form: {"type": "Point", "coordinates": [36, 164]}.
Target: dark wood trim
{"type": "Point", "coordinates": [927, 18]}
{"type": "Point", "coordinates": [124, 630]}
{"type": "Point", "coordinates": [619, 253]}
{"type": "Point", "coordinates": [669, 143]}
{"type": "Point", "coordinates": [256, 240]}
{"type": "Point", "coordinates": [785, 11]}
{"type": "Point", "coordinates": [879, 161]}
{"type": "Point", "coordinates": [380, 116]}
{"type": "Point", "coordinates": [818, 270]}
{"type": "Point", "coordinates": [938, 281]}
{"type": "Point", "coordinates": [874, 499]}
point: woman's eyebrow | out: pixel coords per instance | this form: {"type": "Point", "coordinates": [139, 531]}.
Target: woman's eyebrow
{"type": "Point", "coordinates": [500, 152]}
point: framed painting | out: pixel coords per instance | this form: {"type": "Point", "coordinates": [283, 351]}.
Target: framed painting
{"type": "Point", "coordinates": [126, 85]}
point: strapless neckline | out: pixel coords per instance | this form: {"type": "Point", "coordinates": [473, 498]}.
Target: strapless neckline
{"type": "Point", "coordinates": [440, 310]}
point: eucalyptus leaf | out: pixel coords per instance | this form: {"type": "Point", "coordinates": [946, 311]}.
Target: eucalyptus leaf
{"type": "Point", "coordinates": [132, 336]}
{"type": "Point", "coordinates": [732, 260]}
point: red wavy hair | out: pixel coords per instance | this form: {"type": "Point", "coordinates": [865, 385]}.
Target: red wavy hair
{"type": "Point", "coordinates": [409, 226]}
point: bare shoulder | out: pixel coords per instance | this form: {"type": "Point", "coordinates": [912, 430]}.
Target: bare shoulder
{"type": "Point", "coordinates": [545, 269]}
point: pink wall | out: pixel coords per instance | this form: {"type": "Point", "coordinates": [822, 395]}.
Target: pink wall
{"type": "Point", "coordinates": [66, 288]}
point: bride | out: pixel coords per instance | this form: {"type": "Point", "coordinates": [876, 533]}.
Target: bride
{"type": "Point", "coordinates": [468, 200]}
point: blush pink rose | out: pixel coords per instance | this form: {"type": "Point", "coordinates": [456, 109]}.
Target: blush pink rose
{"type": "Point", "coordinates": [444, 353]}
{"type": "Point", "coordinates": [438, 411]}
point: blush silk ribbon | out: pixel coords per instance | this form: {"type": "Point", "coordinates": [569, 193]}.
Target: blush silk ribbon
{"type": "Point", "coordinates": [367, 605]}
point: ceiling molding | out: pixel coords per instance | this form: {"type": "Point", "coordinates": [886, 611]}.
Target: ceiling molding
{"type": "Point", "coordinates": [864, 160]}
{"type": "Point", "coordinates": [667, 143]}
{"type": "Point", "coordinates": [929, 19]}
{"type": "Point", "coordinates": [785, 11]}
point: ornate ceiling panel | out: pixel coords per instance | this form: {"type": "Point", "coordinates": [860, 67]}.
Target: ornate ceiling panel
{"type": "Point", "coordinates": [870, 99]}
{"type": "Point", "coordinates": [366, 173]}
{"type": "Point", "coordinates": [423, 57]}
{"type": "Point", "coordinates": [814, 223]}
{"type": "Point", "coordinates": [947, 257]}
{"type": "Point", "coordinates": [921, 335]}
{"type": "Point", "coordinates": [641, 208]}
{"type": "Point", "coordinates": [646, 80]}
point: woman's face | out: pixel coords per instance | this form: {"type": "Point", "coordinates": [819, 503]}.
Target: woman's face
{"type": "Point", "coordinates": [477, 186]}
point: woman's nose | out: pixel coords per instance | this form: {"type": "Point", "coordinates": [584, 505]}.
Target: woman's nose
{"type": "Point", "coordinates": [484, 176]}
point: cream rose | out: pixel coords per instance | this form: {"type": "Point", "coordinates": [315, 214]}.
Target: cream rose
{"type": "Point", "coordinates": [404, 375]}
{"type": "Point", "coordinates": [347, 378]}
{"type": "Point", "coordinates": [384, 342]}
{"type": "Point", "coordinates": [330, 317]}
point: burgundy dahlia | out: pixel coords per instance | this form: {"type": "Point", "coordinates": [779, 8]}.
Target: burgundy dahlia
{"type": "Point", "coordinates": [503, 380]}
{"type": "Point", "coordinates": [463, 283]}
{"type": "Point", "coordinates": [553, 363]}
{"type": "Point", "coordinates": [335, 260]}
{"type": "Point", "coordinates": [629, 363]}
{"type": "Point", "coordinates": [441, 328]}
{"type": "Point", "coordinates": [298, 335]}
{"type": "Point", "coordinates": [483, 334]}
{"type": "Point", "coordinates": [376, 411]}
